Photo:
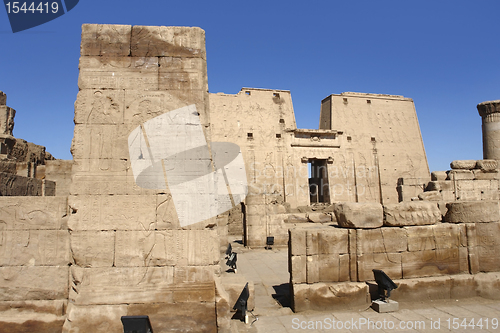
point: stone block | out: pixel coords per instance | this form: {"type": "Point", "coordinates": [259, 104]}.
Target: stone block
{"type": "Point", "coordinates": [439, 236]}
{"type": "Point", "coordinates": [435, 262]}
{"type": "Point", "coordinates": [312, 242]}
{"type": "Point", "coordinates": [462, 286]}
{"type": "Point", "coordinates": [430, 196]}
{"type": "Point", "coordinates": [460, 174]}
{"type": "Point", "coordinates": [233, 285]}
{"type": "Point", "coordinates": [167, 247]}
{"type": "Point", "coordinates": [407, 192]}
{"type": "Point", "coordinates": [333, 240]}
{"type": "Point", "coordinates": [319, 217]}
{"type": "Point", "coordinates": [472, 211]}
{"type": "Point", "coordinates": [487, 246]}
{"type": "Point", "coordinates": [353, 257]}
{"type": "Point", "coordinates": [103, 285]}
{"type": "Point", "coordinates": [359, 215]}
{"type": "Point", "coordinates": [22, 283]}
{"type": "Point", "coordinates": [14, 185]}
{"type": "Point", "coordinates": [438, 175]}
{"type": "Point", "coordinates": [186, 42]}
{"type": "Point", "coordinates": [140, 73]}
{"type": "Point", "coordinates": [463, 164]}
{"type": "Point", "coordinates": [390, 263]}
{"type": "Point", "coordinates": [422, 289]}
{"type": "Point", "coordinates": [329, 296]}
{"type": "Point", "coordinates": [105, 40]}
{"type": "Point", "coordinates": [381, 240]}
{"type": "Point", "coordinates": [34, 248]}
{"type": "Point", "coordinates": [93, 248]}
{"type": "Point", "coordinates": [8, 167]}
{"type": "Point", "coordinates": [297, 218]}
{"type": "Point", "coordinates": [117, 212]}
{"type": "Point", "coordinates": [385, 306]}
{"type": "Point", "coordinates": [485, 175]}
{"type": "Point", "coordinates": [182, 74]}
{"type": "Point", "coordinates": [487, 165]}
{"type": "Point", "coordinates": [333, 267]}
{"type": "Point", "coordinates": [297, 241]}
{"type": "Point", "coordinates": [488, 285]}
{"type": "Point", "coordinates": [3, 98]}
{"type": "Point", "coordinates": [102, 142]}
{"type": "Point", "coordinates": [440, 185]}
{"type": "Point", "coordinates": [25, 213]}
{"type": "Point", "coordinates": [94, 107]}
{"type": "Point", "coordinates": [298, 269]}
{"type": "Point", "coordinates": [312, 268]}
{"type": "Point", "coordinates": [411, 213]}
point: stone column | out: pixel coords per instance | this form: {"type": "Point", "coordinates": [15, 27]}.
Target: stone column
{"type": "Point", "coordinates": [490, 114]}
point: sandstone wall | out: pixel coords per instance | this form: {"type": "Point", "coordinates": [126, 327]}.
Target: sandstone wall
{"type": "Point", "coordinates": [384, 135]}
{"type": "Point", "coordinates": [34, 263]}
{"type": "Point", "coordinates": [131, 256]}
{"type": "Point", "coordinates": [409, 242]}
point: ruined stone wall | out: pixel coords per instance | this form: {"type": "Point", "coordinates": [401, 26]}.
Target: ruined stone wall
{"type": "Point", "coordinates": [34, 263]}
{"type": "Point", "coordinates": [131, 255]}
{"type": "Point", "coordinates": [384, 135]}
{"type": "Point", "coordinates": [407, 241]}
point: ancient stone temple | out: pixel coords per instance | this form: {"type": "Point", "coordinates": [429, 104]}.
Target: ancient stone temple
{"type": "Point", "coordinates": [163, 172]}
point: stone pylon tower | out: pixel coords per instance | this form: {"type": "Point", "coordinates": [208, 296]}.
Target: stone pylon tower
{"type": "Point", "coordinates": [490, 114]}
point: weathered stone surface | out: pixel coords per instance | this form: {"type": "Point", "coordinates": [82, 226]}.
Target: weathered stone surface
{"type": "Point", "coordinates": [333, 267]}
{"type": "Point", "coordinates": [6, 119]}
{"type": "Point", "coordinates": [59, 171]}
{"type": "Point", "coordinates": [487, 246]}
{"type": "Point", "coordinates": [411, 213]}
{"type": "Point", "coordinates": [423, 289]}
{"type": "Point", "coordinates": [162, 41]}
{"type": "Point", "coordinates": [332, 240]}
{"type": "Point", "coordinates": [34, 248]}
{"type": "Point", "coordinates": [487, 165]}
{"type": "Point", "coordinates": [3, 98]}
{"type": "Point", "coordinates": [430, 196]}
{"type": "Point", "coordinates": [472, 211]}
{"type": "Point", "coordinates": [381, 240]}
{"type": "Point", "coordinates": [127, 212]}
{"type": "Point", "coordinates": [459, 174]}
{"type": "Point", "coordinates": [20, 283]}
{"type": "Point", "coordinates": [472, 190]}
{"type": "Point", "coordinates": [488, 285]}
{"type": "Point", "coordinates": [298, 269]}
{"type": "Point", "coordinates": [93, 248]}
{"type": "Point", "coordinates": [297, 241]}
{"type": "Point", "coordinates": [319, 217]}
{"type": "Point", "coordinates": [233, 285]}
{"type": "Point", "coordinates": [142, 284]}
{"type": "Point", "coordinates": [463, 164]}
{"type": "Point", "coordinates": [105, 40]}
{"type": "Point", "coordinates": [167, 247]}
{"type": "Point", "coordinates": [24, 213]}
{"type": "Point", "coordinates": [435, 262]}
{"type": "Point", "coordinates": [329, 296]}
{"type": "Point", "coordinates": [99, 106]}
{"type": "Point", "coordinates": [359, 215]}
{"type": "Point", "coordinates": [439, 236]}
{"type": "Point", "coordinates": [480, 174]}
{"type": "Point", "coordinates": [438, 175]}
{"type": "Point", "coordinates": [14, 185]}
{"type": "Point", "coordinates": [297, 218]}
{"type": "Point", "coordinates": [390, 263]}
{"type": "Point", "coordinates": [118, 73]}
{"type": "Point", "coordinates": [8, 167]}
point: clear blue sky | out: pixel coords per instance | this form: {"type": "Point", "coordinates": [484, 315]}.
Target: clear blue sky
{"type": "Point", "coordinates": [443, 54]}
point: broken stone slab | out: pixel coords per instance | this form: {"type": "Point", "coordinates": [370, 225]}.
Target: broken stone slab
{"type": "Point", "coordinates": [460, 174]}
{"type": "Point", "coordinates": [438, 175]}
{"type": "Point", "coordinates": [319, 217]}
{"type": "Point", "coordinates": [329, 296]}
{"type": "Point", "coordinates": [411, 213]}
{"type": "Point", "coordinates": [463, 164]}
{"type": "Point", "coordinates": [359, 215]}
{"type": "Point", "coordinates": [233, 285]}
{"type": "Point", "coordinates": [487, 165]}
{"type": "Point", "coordinates": [297, 218]}
{"type": "Point", "coordinates": [472, 212]}
{"type": "Point", "coordinates": [430, 196]}
{"type": "Point", "coordinates": [105, 40]}
{"type": "Point", "coordinates": [3, 98]}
